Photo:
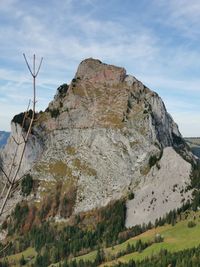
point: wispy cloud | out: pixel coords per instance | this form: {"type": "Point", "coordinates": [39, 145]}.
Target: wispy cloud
{"type": "Point", "coordinates": [7, 5]}
{"type": "Point", "coordinates": [160, 50]}
{"type": "Point", "coordinates": [182, 15]}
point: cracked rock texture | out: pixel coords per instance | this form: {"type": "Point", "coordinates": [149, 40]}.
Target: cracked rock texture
{"type": "Point", "coordinates": [161, 190]}
{"type": "Point", "coordinates": [110, 135]}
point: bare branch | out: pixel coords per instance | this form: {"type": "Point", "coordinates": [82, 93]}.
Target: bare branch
{"type": "Point", "coordinates": [5, 247]}
{"type": "Point", "coordinates": [21, 134]}
{"type": "Point", "coordinates": [28, 65]}
{"type": "Point", "coordinates": [34, 65]}
{"type": "Point", "coordinates": [14, 180]}
{"type": "Point", "coordinates": [5, 174]}
{"type": "Point", "coordinates": [4, 188]}
{"type": "Point", "coordinates": [39, 67]}
{"type": "Point", "coordinates": [15, 140]}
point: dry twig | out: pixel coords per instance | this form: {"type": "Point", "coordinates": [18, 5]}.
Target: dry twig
{"type": "Point", "coordinates": [12, 178]}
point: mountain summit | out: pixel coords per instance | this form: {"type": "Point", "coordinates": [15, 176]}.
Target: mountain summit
{"type": "Point", "coordinates": [104, 137]}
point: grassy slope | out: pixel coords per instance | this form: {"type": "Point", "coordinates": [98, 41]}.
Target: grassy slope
{"type": "Point", "coordinates": [176, 238]}
{"type": "Point", "coordinates": [29, 253]}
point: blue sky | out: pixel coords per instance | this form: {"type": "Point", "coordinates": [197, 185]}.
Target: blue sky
{"type": "Point", "coordinates": [157, 41]}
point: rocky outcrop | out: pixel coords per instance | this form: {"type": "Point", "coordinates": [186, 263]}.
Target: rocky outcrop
{"type": "Point", "coordinates": [32, 153]}
{"type": "Point", "coordinates": [107, 134]}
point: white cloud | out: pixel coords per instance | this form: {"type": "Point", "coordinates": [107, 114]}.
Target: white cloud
{"type": "Point", "coordinates": [64, 34]}
{"type": "Point", "coordinates": [171, 84]}
{"type": "Point", "coordinates": [183, 15]}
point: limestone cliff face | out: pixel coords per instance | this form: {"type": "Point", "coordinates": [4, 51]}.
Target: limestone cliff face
{"type": "Point", "coordinates": [13, 151]}
{"type": "Point", "coordinates": [108, 135]}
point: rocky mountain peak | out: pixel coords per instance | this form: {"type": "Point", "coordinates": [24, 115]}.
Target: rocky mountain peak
{"type": "Point", "coordinates": [95, 71]}
{"type": "Point", "coordinates": [104, 136]}
{"type": "Point", "coordinates": [103, 96]}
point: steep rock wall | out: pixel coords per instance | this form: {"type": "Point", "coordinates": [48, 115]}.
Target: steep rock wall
{"type": "Point", "coordinates": [102, 132]}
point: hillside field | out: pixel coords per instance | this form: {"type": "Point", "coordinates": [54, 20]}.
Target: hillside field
{"type": "Point", "coordinates": [175, 238]}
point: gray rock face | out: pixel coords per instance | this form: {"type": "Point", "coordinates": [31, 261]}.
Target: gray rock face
{"type": "Point", "coordinates": [32, 153]}
{"type": "Point", "coordinates": [161, 190]}
{"type": "Point", "coordinates": [102, 132]}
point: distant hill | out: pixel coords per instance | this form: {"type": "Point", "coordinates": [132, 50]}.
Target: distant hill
{"type": "Point", "coordinates": [3, 138]}
{"type": "Point", "coordinates": [194, 143]}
